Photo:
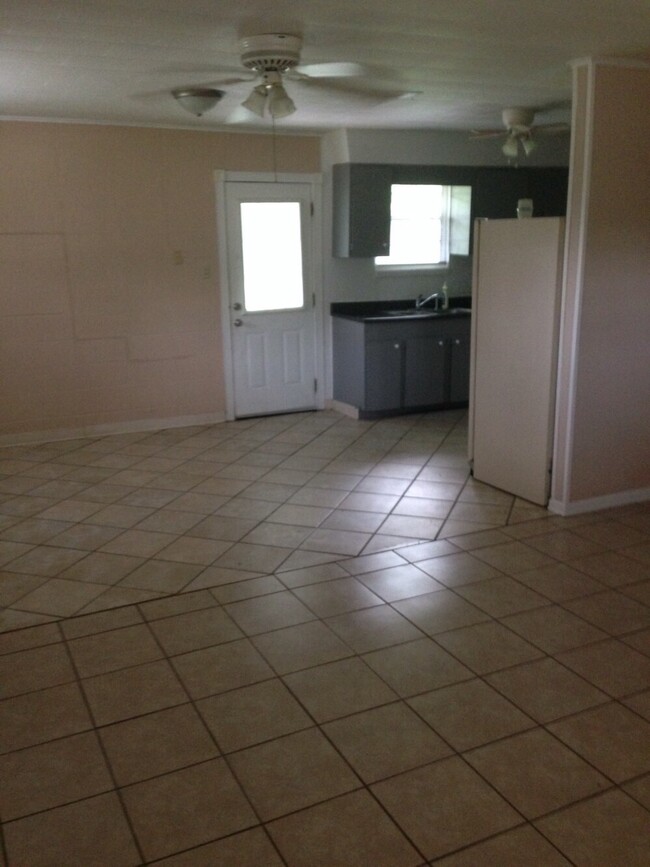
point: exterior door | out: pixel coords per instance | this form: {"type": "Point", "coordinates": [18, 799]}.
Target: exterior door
{"type": "Point", "coordinates": [271, 297]}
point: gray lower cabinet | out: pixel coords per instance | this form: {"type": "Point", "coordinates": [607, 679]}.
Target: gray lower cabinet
{"type": "Point", "coordinates": [401, 366]}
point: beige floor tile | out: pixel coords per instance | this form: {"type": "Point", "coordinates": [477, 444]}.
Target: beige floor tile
{"type": "Point", "coordinates": [370, 502]}
{"type": "Point", "coordinates": [535, 772]}
{"type": "Point", "coordinates": [470, 714]}
{"type": "Point", "coordinates": [323, 497]}
{"type": "Point", "coordinates": [559, 582]}
{"type": "Point", "coordinates": [384, 741]}
{"type": "Point", "coordinates": [171, 521]}
{"type": "Point", "coordinates": [546, 690]}
{"type": "Point", "coordinates": [284, 535]}
{"type": "Point", "coordinates": [25, 639]}
{"type": "Point", "coordinates": [224, 528]}
{"type": "Point", "coordinates": [564, 545]}
{"type": "Point", "coordinates": [36, 717]}
{"type": "Point", "coordinates": [117, 515]}
{"type": "Point", "coordinates": [445, 806]}
{"type": "Point", "coordinates": [246, 849]}
{"type": "Point", "coordinates": [129, 692]}
{"type": "Point", "coordinates": [440, 611]}
{"type": "Point", "coordinates": [513, 557]}
{"type": "Point", "coordinates": [399, 582]}
{"type": "Point", "coordinates": [456, 569]}
{"type": "Point", "coordinates": [112, 650]}
{"type": "Point", "coordinates": [487, 647]}
{"type": "Point", "coordinates": [14, 586]}
{"type": "Point", "coordinates": [612, 612]}
{"type": "Point", "coordinates": [338, 689]}
{"type": "Point", "coordinates": [73, 834]}
{"type": "Point", "coordinates": [364, 835]}
{"type": "Point", "coordinates": [253, 714]}
{"type": "Point", "coordinates": [416, 667]}
{"type": "Point", "coordinates": [469, 541]}
{"type": "Point", "coordinates": [52, 774]}
{"type": "Point", "coordinates": [157, 743]}
{"type": "Point", "coordinates": [102, 621]}
{"type": "Point", "coordinates": [46, 560]}
{"type": "Point", "coordinates": [480, 513]}
{"type": "Point", "coordinates": [553, 629]}
{"type": "Point", "coordinates": [514, 848]}
{"type": "Point", "coordinates": [194, 630]}
{"type": "Point", "coordinates": [434, 490]}
{"type": "Point", "coordinates": [187, 549]}
{"type": "Point", "coordinates": [611, 666]}
{"type": "Point", "coordinates": [302, 646]}
{"type": "Point", "coordinates": [200, 504]}
{"type": "Point", "coordinates": [99, 568]}
{"type": "Point", "coordinates": [609, 829]}
{"type": "Point", "coordinates": [612, 569]}
{"type": "Point", "coordinates": [187, 808]}
{"type": "Point", "coordinates": [612, 534]}
{"type": "Point", "coordinates": [217, 669]}
{"type": "Point", "coordinates": [501, 596]}
{"type": "Point", "coordinates": [161, 575]}
{"type": "Point", "coordinates": [216, 576]}
{"type": "Point", "coordinates": [291, 773]}
{"type": "Point", "coordinates": [373, 562]}
{"type": "Point", "coordinates": [313, 574]}
{"type": "Point", "coordinates": [336, 542]}
{"type": "Point", "coordinates": [36, 532]}
{"type": "Point", "coordinates": [254, 616]}
{"type": "Point", "coordinates": [86, 537]}
{"type": "Point", "coordinates": [253, 558]}
{"type": "Point", "coordinates": [611, 737]}
{"type": "Point", "coordinates": [330, 598]}
{"type": "Point", "coordinates": [639, 790]}
{"type": "Point", "coordinates": [37, 668]}
{"type": "Point", "coordinates": [411, 528]}
{"type": "Point", "coordinates": [139, 543]}
{"type": "Point", "coordinates": [116, 597]}
{"type": "Point", "coordinates": [170, 605]}
{"type": "Point", "coordinates": [373, 628]}
{"type": "Point", "coordinates": [60, 597]}
{"type": "Point", "coordinates": [455, 529]}
{"type": "Point", "coordinates": [235, 591]}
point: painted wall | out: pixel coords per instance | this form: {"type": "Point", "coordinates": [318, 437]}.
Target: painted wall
{"type": "Point", "coordinates": [109, 296]}
{"type": "Point", "coordinates": [603, 429]}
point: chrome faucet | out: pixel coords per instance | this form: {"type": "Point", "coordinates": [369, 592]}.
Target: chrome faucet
{"type": "Point", "coordinates": [437, 297]}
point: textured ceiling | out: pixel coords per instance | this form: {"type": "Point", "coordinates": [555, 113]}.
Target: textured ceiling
{"type": "Point", "coordinates": [459, 61]}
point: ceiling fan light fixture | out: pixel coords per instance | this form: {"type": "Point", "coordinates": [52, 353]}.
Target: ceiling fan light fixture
{"type": "Point", "coordinates": [510, 147]}
{"type": "Point", "coordinates": [528, 145]}
{"type": "Point", "coordinates": [279, 102]}
{"type": "Point", "coordinates": [256, 102]}
{"type": "Point", "coordinates": [198, 100]}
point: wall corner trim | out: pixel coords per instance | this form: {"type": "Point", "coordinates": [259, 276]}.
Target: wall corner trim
{"type": "Point", "coordinates": [595, 504]}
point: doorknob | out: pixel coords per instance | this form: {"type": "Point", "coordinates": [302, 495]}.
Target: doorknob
{"type": "Point", "coordinates": [237, 323]}
{"type": "Point", "coordinates": [236, 306]}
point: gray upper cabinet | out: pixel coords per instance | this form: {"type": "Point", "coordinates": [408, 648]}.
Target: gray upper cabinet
{"type": "Point", "coordinates": [361, 203]}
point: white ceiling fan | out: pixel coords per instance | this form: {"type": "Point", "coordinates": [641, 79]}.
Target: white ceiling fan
{"type": "Point", "coordinates": [273, 59]}
{"type": "Point", "coordinates": [520, 131]}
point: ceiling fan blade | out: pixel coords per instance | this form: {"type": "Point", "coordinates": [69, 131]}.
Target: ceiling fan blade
{"type": "Point", "coordinates": [330, 70]}
{"type": "Point", "coordinates": [552, 128]}
{"type": "Point", "coordinates": [488, 133]}
{"type": "Point", "coordinates": [363, 93]}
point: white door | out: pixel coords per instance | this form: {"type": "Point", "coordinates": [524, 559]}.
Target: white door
{"type": "Point", "coordinates": [272, 298]}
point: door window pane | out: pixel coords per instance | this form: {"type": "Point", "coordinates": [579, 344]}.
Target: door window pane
{"type": "Point", "coordinates": [272, 256]}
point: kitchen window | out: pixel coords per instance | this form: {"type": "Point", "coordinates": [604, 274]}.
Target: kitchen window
{"type": "Point", "coordinates": [427, 223]}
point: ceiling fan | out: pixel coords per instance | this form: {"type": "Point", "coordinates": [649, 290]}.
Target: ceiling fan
{"type": "Point", "coordinates": [520, 131]}
{"type": "Point", "coordinates": [272, 59]}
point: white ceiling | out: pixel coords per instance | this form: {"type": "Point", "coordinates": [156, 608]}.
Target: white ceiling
{"type": "Point", "coordinates": [116, 61]}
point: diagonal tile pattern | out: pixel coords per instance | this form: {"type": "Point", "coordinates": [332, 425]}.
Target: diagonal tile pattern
{"type": "Point", "coordinates": [307, 640]}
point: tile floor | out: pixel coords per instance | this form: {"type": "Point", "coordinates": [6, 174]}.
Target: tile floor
{"type": "Point", "coordinates": [306, 640]}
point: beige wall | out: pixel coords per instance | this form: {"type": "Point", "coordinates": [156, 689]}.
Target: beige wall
{"type": "Point", "coordinates": [109, 296]}
{"type": "Point", "coordinates": [604, 383]}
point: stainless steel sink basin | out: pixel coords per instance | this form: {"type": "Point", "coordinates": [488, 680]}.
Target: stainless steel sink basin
{"type": "Point", "coordinates": [424, 312]}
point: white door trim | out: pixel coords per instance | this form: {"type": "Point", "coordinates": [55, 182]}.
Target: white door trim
{"type": "Point", "coordinates": [316, 181]}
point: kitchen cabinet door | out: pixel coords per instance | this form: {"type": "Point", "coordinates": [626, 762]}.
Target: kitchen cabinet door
{"type": "Point", "coordinates": [425, 371]}
{"type": "Point", "coordinates": [361, 210]}
{"type": "Point", "coordinates": [459, 363]}
{"type": "Point", "coordinates": [384, 375]}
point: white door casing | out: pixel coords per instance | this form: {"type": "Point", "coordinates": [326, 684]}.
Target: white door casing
{"type": "Point", "coordinates": [272, 357]}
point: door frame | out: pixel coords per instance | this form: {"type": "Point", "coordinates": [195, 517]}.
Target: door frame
{"type": "Point", "coordinates": [315, 181]}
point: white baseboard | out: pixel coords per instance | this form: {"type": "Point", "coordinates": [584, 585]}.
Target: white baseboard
{"type": "Point", "coordinates": [110, 429]}
{"type": "Point", "coordinates": [344, 408]}
{"type": "Point", "coordinates": [595, 504]}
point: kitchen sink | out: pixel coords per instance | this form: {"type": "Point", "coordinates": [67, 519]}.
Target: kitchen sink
{"type": "Point", "coordinates": [425, 312]}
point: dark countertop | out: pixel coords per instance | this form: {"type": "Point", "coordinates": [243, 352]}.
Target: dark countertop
{"type": "Point", "coordinates": [387, 311]}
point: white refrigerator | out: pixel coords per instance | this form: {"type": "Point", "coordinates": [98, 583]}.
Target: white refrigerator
{"type": "Point", "coordinates": [516, 292]}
